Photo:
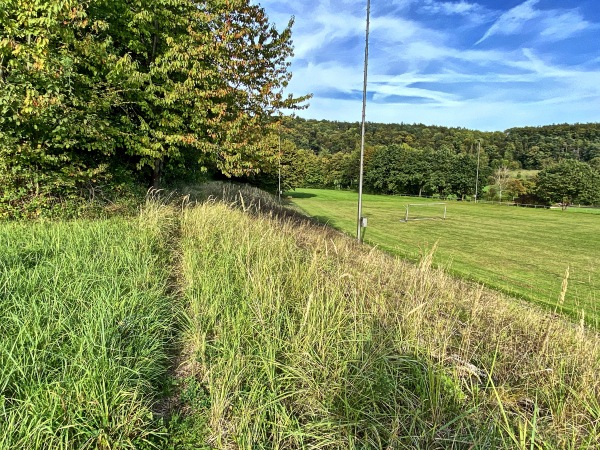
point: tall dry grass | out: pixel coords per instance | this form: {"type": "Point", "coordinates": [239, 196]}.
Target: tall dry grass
{"type": "Point", "coordinates": [303, 339]}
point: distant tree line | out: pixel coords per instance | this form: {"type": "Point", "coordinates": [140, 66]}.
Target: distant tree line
{"type": "Point", "coordinates": [439, 161]}
{"type": "Point", "coordinates": [526, 148]}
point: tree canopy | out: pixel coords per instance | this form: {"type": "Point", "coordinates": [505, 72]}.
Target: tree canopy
{"type": "Point", "coordinates": [94, 91]}
{"type": "Point", "coordinates": [523, 147]}
{"type": "Point", "coordinates": [569, 182]}
{"type": "Point", "coordinates": [432, 160]}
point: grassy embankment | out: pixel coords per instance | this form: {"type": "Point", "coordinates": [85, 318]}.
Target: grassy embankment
{"type": "Point", "coordinates": [304, 340]}
{"type": "Point", "coordinates": [521, 251]}
{"type": "Point", "coordinates": [292, 336]}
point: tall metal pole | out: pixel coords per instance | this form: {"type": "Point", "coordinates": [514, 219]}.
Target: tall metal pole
{"type": "Point", "coordinates": [279, 175]}
{"type": "Point", "coordinates": [477, 176]}
{"type": "Point", "coordinates": [362, 140]}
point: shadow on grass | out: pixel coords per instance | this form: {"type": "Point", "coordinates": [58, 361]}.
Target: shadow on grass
{"type": "Point", "coordinates": [390, 399]}
{"type": "Point", "coordinates": [325, 220]}
{"type": "Point", "coordinates": [328, 221]}
{"type": "Point", "coordinates": [300, 195]}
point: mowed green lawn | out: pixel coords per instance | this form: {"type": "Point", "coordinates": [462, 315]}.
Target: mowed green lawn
{"type": "Point", "coordinates": [521, 251]}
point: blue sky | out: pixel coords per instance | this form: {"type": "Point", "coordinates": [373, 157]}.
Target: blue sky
{"type": "Point", "coordinates": [486, 65]}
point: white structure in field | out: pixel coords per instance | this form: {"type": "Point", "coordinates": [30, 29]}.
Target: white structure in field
{"type": "Point", "coordinates": [425, 211]}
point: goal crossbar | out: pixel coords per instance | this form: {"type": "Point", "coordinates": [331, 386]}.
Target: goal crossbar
{"type": "Point", "coordinates": [406, 216]}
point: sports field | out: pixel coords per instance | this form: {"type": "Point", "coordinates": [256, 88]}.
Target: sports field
{"type": "Point", "coordinates": [521, 251]}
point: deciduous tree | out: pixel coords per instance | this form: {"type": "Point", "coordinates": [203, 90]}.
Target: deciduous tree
{"type": "Point", "coordinates": [569, 182]}
{"type": "Point", "coordinates": [501, 179]}
{"type": "Point", "coordinates": [88, 89]}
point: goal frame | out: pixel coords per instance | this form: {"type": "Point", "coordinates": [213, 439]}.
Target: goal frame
{"type": "Point", "coordinates": [407, 207]}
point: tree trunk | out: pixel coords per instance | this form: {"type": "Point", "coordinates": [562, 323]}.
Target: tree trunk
{"type": "Point", "coordinates": [157, 173]}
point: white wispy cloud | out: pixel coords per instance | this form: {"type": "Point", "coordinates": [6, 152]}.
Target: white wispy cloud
{"type": "Point", "coordinates": [461, 8]}
{"type": "Point", "coordinates": [424, 68]}
{"type": "Point", "coordinates": [561, 25]}
{"type": "Point", "coordinates": [326, 27]}
{"type": "Point", "coordinates": [513, 20]}
{"type": "Point", "coordinates": [551, 25]}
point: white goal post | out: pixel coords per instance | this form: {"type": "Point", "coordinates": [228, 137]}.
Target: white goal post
{"type": "Point", "coordinates": [431, 211]}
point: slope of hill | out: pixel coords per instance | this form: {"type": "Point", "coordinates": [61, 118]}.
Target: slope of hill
{"type": "Point", "coordinates": [288, 335]}
{"type": "Point", "coordinates": [529, 147]}
{"type": "Point", "coordinates": [524, 252]}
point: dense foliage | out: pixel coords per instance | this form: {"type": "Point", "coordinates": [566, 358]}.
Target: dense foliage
{"type": "Point", "coordinates": [527, 148]}
{"type": "Point", "coordinates": [569, 182]}
{"type": "Point", "coordinates": [431, 160]}
{"type": "Point", "coordinates": [99, 92]}
{"type": "Point", "coordinates": [403, 169]}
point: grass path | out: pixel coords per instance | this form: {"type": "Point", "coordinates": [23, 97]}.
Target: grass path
{"type": "Point", "coordinates": [86, 321]}
{"type": "Point", "coordinates": [524, 252]}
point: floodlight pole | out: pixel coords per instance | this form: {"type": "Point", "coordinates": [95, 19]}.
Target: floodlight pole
{"type": "Point", "coordinates": [359, 224]}
{"type": "Point", "coordinates": [477, 175]}
{"type": "Point", "coordinates": [279, 174]}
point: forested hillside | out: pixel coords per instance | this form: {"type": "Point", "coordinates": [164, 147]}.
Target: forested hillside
{"type": "Point", "coordinates": [527, 147]}
{"type": "Point", "coordinates": [433, 160]}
